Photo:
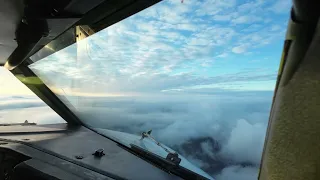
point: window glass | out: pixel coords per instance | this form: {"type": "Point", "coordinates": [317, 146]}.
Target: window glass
{"type": "Point", "coordinates": [19, 104]}
{"type": "Point", "coordinates": [200, 74]}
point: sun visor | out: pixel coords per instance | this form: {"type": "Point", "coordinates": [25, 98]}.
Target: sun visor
{"type": "Point", "coordinates": [39, 24]}
{"type": "Point", "coordinates": [10, 15]}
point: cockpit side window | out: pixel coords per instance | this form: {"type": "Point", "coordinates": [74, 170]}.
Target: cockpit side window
{"type": "Point", "coordinates": [20, 106]}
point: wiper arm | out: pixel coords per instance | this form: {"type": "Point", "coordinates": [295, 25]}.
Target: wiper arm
{"type": "Point", "coordinates": [169, 164]}
{"type": "Point", "coordinates": [172, 157]}
{"type": "Point", "coordinates": [166, 164]}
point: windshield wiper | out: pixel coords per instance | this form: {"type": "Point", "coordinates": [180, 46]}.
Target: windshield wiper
{"type": "Point", "coordinates": [172, 157]}
{"type": "Point", "coordinates": [169, 164]}
{"type": "Point", "coordinates": [165, 164]}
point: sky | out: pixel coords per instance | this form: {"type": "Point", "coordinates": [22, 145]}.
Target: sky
{"type": "Point", "coordinates": [174, 46]}
{"type": "Point", "coordinates": [9, 85]}
{"type": "Point", "coordinates": [186, 69]}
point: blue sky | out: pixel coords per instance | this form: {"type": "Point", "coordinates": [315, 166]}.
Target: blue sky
{"type": "Point", "coordinates": [177, 46]}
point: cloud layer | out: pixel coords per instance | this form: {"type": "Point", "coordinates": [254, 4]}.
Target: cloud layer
{"type": "Point", "coordinates": [238, 172]}
{"type": "Point", "coordinates": [235, 121]}
{"type": "Point", "coordinates": [17, 109]}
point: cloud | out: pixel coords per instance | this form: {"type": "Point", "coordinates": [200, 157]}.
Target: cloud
{"type": "Point", "coordinates": [7, 103]}
{"type": "Point", "coordinates": [275, 28]}
{"type": "Point", "coordinates": [252, 28]}
{"type": "Point", "coordinates": [239, 173]}
{"type": "Point", "coordinates": [251, 7]}
{"type": "Point", "coordinates": [14, 109]}
{"type": "Point", "coordinates": [240, 49]}
{"type": "Point", "coordinates": [187, 43]}
{"type": "Point", "coordinates": [258, 39]}
{"type": "Point", "coordinates": [197, 162]}
{"type": "Point", "coordinates": [207, 148]}
{"type": "Point", "coordinates": [223, 55]}
{"type": "Point", "coordinates": [45, 115]}
{"type": "Point", "coordinates": [118, 77]}
{"type": "Point", "coordinates": [246, 19]}
{"type": "Point", "coordinates": [236, 120]}
{"type": "Point", "coordinates": [175, 119]}
{"type": "Point", "coordinates": [281, 6]}
{"type": "Point", "coordinates": [218, 17]}
{"type": "Point", "coordinates": [245, 135]}
{"type": "Point", "coordinates": [212, 7]}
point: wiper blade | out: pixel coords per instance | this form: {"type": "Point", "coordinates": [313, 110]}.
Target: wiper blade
{"type": "Point", "coordinates": [166, 164]}
{"type": "Point", "coordinates": [172, 157]}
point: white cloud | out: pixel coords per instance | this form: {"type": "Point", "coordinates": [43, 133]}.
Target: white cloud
{"type": "Point", "coordinates": [158, 75]}
{"type": "Point", "coordinates": [281, 6]}
{"type": "Point", "coordinates": [197, 162]}
{"type": "Point", "coordinates": [267, 20]}
{"type": "Point", "coordinates": [238, 173]}
{"type": "Point", "coordinates": [222, 17]}
{"type": "Point", "coordinates": [246, 19]}
{"type": "Point", "coordinates": [148, 27]}
{"type": "Point", "coordinates": [275, 28]}
{"type": "Point", "coordinates": [245, 135]}
{"type": "Point", "coordinates": [31, 108]}
{"type": "Point", "coordinates": [20, 103]}
{"type": "Point", "coordinates": [175, 118]}
{"type": "Point", "coordinates": [207, 149]}
{"type": "Point", "coordinates": [260, 38]}
{"type": "Point", "coordinates": [240, 49]}
{"type": "Point", "coordinates": [188, 27]}
{"type": "Point", "coordinates": [166, 14]}
{"type": "Point", "coordinates": [212, 7]}
{"type": "Point", "coordinates": [217, 36]}
{"type": "Point", "coordinates": [222, 55]}
{"type": "Point", "coordinates": [253, 28]}
{"type": "Point", "coordinates": [200, 42]}
{"type": "Point", "coordinates": [125, 49]}
{"type": "Point", "coordinates": [255, 38]}
{"type": "Point", "coordinates": [251, 6]}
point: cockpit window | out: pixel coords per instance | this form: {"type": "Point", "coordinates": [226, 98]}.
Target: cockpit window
{"type": "Point", "coordinates": [20, 106]}
{"type": "Point", "coordinates": [200, 74]}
